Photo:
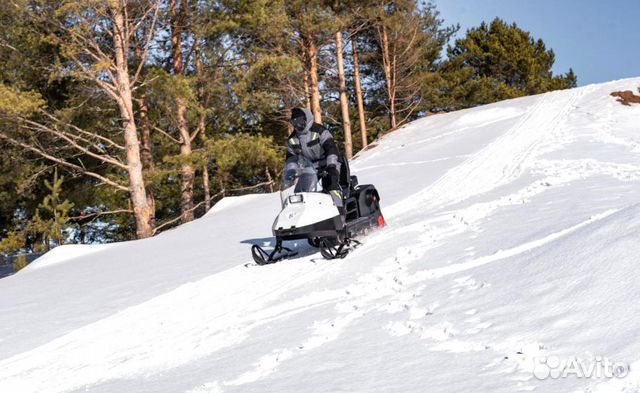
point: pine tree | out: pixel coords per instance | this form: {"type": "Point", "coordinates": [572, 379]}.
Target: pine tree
{"type": "Point", "coordinates": [56, 211]}
{"type": "Point", "coordinates": [497, 61]}
{"type": "Point", "coordinates": [410, 39]}
{"type": "Point", "coordinates": [83, 53]}
{"type": "Point", "coordinates": [20, 263]}
{"type": "Point", "coordinates": [13, 242]}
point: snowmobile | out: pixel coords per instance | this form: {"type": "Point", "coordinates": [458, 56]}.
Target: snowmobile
{"type": "Point", "coordinates": [314, 216]}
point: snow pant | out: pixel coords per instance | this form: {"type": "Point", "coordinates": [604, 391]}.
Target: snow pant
{"type": "Point", "coordinates": [331, 184]}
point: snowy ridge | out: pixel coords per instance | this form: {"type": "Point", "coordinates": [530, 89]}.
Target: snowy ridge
{"type": "Point", "coordinates": [512, 236]}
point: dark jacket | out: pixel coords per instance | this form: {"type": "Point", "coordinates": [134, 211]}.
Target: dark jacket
{"type": "Point", "coordinates": [315, 143]}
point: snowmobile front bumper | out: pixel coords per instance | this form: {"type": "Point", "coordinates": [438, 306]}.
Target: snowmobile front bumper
{"type": "Point", "coordinates": [325, 228]}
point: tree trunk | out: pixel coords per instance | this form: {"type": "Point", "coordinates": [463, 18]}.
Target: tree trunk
{"type": "Point", "coordinates": [204, 98]}
{"type": "Point", "coordinates": [386, 59]}
{"type": "Point", "coordinates": [305, 76]}
{"type": "Point", "coordinates": [187, 170]}
{"type": "Point", "coordinates": [146, 154]}
{"type": "Point", "coordinates": [269, 178]}
{"type": "Point", "coordinates": [356, 77]}
{"type": "Point", "coordinates": [206, 186]}
{"type": "Point", "coordinates": [287, 112]}
{"type": "Point", "coordinates": [205, 167]}
{"type": "Point", "coordinates": [146, 143]}
{"type": "Point", "coordinates": [141, 209]}
{"type": "Point", "coordinates": [344, 102]}
{"type": "Point", "coordinates": [307, 92]}
{"type": "Point", "coordinates": [223, 191]}
{"type": "Point", "coordinates": [394, 80]}
{"type": "Point", "coordinates": [312, 53]}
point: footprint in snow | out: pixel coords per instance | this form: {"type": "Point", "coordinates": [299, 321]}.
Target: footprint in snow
{"type": "Point", "coordinates": [478, 327]}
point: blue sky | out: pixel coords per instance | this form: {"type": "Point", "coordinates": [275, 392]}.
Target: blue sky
{"type": "Point", "coordinates": [600, 39]}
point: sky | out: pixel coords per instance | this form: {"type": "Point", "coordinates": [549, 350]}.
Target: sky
{"type": "Point", "coordinates": [600, 39]}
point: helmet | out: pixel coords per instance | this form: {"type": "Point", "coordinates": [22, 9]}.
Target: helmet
{"type": "Point", "coordinates": [301, 119]}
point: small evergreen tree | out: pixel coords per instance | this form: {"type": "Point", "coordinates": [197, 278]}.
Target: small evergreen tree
{"type": "Point", "coordinates": [56, 212]}
{"type": "Point", "coordinates": [242, 158]}
{"type": "Point", "coordinates": [13, 242]}
{"type": "Point", "coordinates": [20, 263]}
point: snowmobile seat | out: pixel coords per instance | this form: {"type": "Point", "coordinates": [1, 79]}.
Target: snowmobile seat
{"type": "Point", "coordinates": [354, 182]}
{"type": "Point", "coordinates": [348, 184]}
{"type": "Point", "coordinates": [345, 178]}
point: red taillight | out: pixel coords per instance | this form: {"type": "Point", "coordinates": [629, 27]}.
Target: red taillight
{"type": "Point", "coordinates": [381, 222]}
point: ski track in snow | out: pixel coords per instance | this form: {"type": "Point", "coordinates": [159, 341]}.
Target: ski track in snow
{"type": "Point", "coordinates": [501, 161]}
{"type": "Point", "coordinates": [391, 289]}
{"type": "Point", "coordinates": [190, 322]}
{"type": "Point", "coordinates": [407, 163]}
{"type": "Point", "coordinates": [503, 254]}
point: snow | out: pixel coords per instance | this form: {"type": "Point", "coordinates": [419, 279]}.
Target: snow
{"type": "Point", "coordinates": [65, 253]}
{"type": "Point", "coordinates": [511, 244]}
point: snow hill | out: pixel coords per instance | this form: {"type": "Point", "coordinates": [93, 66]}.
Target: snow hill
{"type": "Point", "coordinates": [512, 245]}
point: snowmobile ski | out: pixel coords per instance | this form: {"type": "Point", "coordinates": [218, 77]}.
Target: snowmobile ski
{"type": "Point", "coordinates": [330, 250]}
{"type": "Point", "coordinates": [262, 257]}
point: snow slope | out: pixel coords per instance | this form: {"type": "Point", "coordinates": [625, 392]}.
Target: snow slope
{"type": "Point", "coordinates": [512, 238]}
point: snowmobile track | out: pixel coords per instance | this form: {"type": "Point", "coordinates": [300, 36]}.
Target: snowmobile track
{"type": "Point", "coordinates": [500, 161]}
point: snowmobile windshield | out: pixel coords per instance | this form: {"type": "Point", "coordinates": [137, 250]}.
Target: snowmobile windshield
{"type": "Point", "coordinates": [304, 178]}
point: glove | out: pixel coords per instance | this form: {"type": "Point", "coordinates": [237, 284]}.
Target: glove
{"type": "Point", "coordinates": [289, 177]}
{"type": "Point", "coordinates": [334, 178]}
{"type": "Point", "coordinates": [332, 171]}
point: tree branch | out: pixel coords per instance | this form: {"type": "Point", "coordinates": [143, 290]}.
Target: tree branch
{"type": "Point", "coordinates": [80, 130]}
{"type": "Point", "coordinates": [83, 216]}
{"type": "Point", "coordinates": [60, 161]}
{"type": "Point", "coordinates": [166, 134]}
{"type": "Point", "coordinates": [110, 89]}
{"type": "Point", "coordinates": [104, 158]}
{"type": "Point", "coordinates": [145, 53]}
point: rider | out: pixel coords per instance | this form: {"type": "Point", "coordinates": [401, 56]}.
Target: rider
{"type": "Point", "coordinates": [311, 142]}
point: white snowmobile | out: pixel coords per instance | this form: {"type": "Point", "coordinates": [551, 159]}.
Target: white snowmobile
{"type": "Point", "coordinates": [314, 216]}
